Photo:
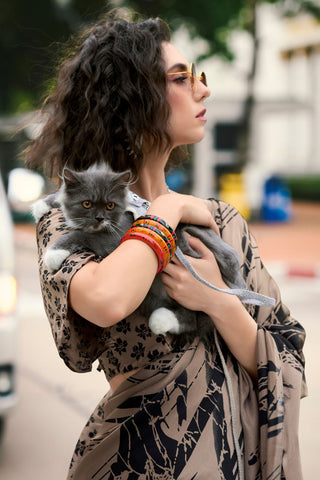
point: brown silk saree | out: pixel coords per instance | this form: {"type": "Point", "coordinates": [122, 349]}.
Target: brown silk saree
{"type": "Point", "coordinates": [172, 419]}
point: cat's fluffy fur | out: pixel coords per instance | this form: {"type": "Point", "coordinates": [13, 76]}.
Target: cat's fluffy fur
{"type": "Point", "coordinates": [100, 227]}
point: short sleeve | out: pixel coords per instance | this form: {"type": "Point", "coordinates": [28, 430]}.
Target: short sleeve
{"type": "Point", "coordinates": [78, 341]}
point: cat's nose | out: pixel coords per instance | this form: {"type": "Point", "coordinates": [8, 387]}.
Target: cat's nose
{"type": "Point", "coordinates": [99, 219]}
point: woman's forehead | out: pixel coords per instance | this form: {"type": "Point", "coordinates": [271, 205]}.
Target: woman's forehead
{"type": "Point", "coordinates": [174, 58]}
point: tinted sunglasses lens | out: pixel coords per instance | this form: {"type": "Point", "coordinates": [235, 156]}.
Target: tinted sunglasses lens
{"type": "Point", "coordinates": [203, 79]}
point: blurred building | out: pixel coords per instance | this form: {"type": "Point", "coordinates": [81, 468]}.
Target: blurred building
{"type": "Point", "coordinates": [285, 138]}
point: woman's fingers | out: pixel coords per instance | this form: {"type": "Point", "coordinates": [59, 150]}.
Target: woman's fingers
{"type": "Point", "coordinates": [198, 245]}
{"type": "Point", "coordinates": [213, 224]}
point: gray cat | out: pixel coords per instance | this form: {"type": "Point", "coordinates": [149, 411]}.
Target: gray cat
{"type": "Point", "coordinates": [94, 203]}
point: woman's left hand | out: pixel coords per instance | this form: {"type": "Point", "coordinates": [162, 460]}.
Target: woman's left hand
{"type": "Point", "coordinates": [183, 287]}
{"type": "Point", "coordinates": [240, 335]}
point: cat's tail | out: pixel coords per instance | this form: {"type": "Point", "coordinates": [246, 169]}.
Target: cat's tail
{"type": "Point", "coordinates": [246, 296]}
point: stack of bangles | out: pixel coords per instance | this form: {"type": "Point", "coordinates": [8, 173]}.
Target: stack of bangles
{"type": "Point", "coordinates": [156, 233]}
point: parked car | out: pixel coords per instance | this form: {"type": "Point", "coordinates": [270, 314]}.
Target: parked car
{"type": "Point", "coordinates": [8, 313]}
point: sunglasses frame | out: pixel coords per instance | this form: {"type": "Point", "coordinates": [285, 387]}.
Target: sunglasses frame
{"type": "Point", "coordinates": [193, 77]}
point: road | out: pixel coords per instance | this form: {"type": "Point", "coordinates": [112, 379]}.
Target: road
{"type": "Point", "coordinates": [54, 403]}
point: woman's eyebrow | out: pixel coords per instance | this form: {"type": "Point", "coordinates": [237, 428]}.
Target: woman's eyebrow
{"type": "Point", "coordinates": [180, 67]}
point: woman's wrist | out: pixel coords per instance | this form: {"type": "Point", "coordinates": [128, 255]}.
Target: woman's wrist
{"type": "Point", "coordinates": [239, 331]}
{"type": "Point", "coordinates": [223, 307]}
{"type": "Point", "coordinates": [169, 207]}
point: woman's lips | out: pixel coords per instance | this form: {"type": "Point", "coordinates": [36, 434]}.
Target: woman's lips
{"type": "Point", "coordinates": [201, 115]}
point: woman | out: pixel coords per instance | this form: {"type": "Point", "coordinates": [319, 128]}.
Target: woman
{"type": "Point", "coordinates": [129, 96]}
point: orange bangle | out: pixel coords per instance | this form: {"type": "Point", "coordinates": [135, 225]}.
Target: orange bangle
{"type": "Point", "coordinates": [161, 222]}
{"type": "Point", "coordinates": [158, 228]}
{"type": "Point", "coordinates": [161, 242]}
{"type": "Point", "coordinates": [151, 242]}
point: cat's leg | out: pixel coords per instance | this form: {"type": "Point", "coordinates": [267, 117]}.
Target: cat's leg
{"type": "Point", "coordinates": [40, 208]}
{"type": "Point", "coordinates": [43, 205]}
{"type": "Point", "coordinates": [54, 258]}
{"type": "Point", "coordinates": [60, 250]}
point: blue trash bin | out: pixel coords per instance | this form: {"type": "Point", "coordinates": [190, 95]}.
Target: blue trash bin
{"type": "Point", "coordinates": [276, 206]}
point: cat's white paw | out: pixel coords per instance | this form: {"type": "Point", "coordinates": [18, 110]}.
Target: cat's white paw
{"type": "Point", "coordinates": [39, 208]}
{"type": "Point", "coordinates": [54, 258]}
{"type": "Point", "coordinates": [164, 321]}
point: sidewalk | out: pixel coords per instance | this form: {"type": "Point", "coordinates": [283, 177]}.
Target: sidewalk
{"type": "Point", "coordinates": [294, 247]}
{"type": "Point", "coordinates": [291, 248]}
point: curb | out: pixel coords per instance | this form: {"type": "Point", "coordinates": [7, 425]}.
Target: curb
{"type": "Point", "coordinates": [312, 272]}
{"type": "Point", "coordinates": [282, 269]}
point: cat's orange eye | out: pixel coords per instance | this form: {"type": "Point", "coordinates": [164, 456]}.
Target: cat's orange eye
{"type": "Point", "coordinates": [110, 205]}
{"type": "Point", "coordinates": [87, 204]}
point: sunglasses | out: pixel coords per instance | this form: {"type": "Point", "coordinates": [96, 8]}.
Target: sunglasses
{"type": "Point", "coordinates": [193, 76]}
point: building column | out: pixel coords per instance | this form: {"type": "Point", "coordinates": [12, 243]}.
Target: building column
{"type": "Point", "coordinates": [299, 122]}
{"type": "Point", "coordinates": [315, 92]}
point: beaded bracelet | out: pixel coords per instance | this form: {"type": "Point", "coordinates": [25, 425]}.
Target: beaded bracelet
{"type": "Point", "coordinates": [156, 233]}
{"type": "Point", "coordinates": [158, 223]}
{"type": "Point", "coordinates": [151, 242]}
{"type": "Point", "coordinates": [157, 228]}
{"type": "Point", "coordinates": [161, 242]}
{"type": "Point", "coordinates": [154, 224]}
{"type": "Point", "coordinates": [161, 221]}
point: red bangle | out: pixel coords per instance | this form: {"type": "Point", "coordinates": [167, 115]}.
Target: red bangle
{"type": "Point", "coordinates": [159, 228]}
{"type": "Point", "coordinates": [151, 242]}
{"type": "Point", "coordinates": [166, 251]}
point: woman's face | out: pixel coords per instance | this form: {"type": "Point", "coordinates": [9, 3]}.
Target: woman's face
{"type": "Point", "coordinates": [187, 118]}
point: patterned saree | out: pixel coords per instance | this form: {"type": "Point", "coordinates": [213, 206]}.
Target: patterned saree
{"type": "Point", "coordinates": [172, 419]}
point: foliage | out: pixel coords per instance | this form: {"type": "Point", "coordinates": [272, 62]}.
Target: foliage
{"type": "Point", "coordinates": [305, 187]}
{"type": "Point", "coordinates": [27, 29]}
{"type": "Point", "coordinates": [214, 19]}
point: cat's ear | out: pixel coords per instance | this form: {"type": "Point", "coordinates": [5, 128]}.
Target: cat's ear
{"type": "Point", "coordinates": [70, 177]}
{"type": "Point", "coordinates": [125, 177]}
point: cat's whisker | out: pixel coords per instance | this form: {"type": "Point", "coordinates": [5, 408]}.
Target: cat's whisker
{"type": "Point", "coordinates": [76, 222]}
{"type": "Point", "coordinates": [116, 228]}
{"type": "Point", "coordinates": [113, 231]}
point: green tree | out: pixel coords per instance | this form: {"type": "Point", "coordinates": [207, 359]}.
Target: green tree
{"type": "Point", "coordinates": [27, 30]}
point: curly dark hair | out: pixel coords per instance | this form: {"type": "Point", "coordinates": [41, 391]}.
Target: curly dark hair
{"type": "Point", "coordinates": [110, 94]}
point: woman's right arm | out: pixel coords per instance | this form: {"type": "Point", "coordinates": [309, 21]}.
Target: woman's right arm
{"type": "Point", "coordinates": [104, 293]}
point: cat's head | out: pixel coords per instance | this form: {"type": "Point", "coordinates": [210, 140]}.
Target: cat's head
{"type": "Point", "coordinates": [94, 200]}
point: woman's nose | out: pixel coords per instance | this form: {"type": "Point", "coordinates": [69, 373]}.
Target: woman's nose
{"type": "Point", "coordinates": [202, 91]}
